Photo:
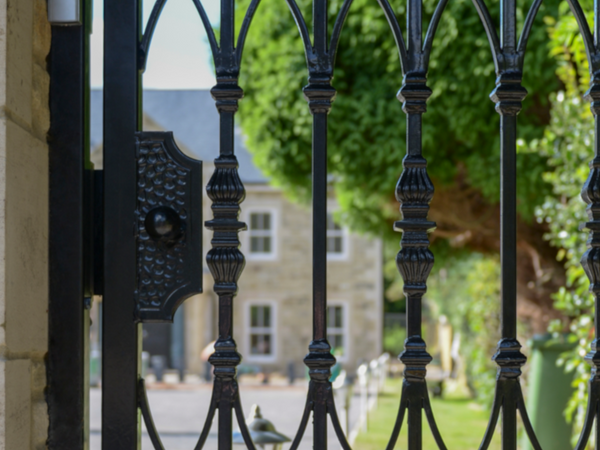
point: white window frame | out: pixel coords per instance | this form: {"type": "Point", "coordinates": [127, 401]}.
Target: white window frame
{"type": "Point", "coordinates": [345, 235]}
{"type": "Point", "coordinates": [272, 330]}
{"type": "Point", "coordinates": [345, 330]}
{"type": "Point", "coordinates": [272, 255]}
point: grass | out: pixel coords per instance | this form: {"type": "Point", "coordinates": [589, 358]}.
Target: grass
{"type": "Point", "coordinates": [461, 422]}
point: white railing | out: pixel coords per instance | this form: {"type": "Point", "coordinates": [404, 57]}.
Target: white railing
{"type": "Point", "coordinates": [370, 382]}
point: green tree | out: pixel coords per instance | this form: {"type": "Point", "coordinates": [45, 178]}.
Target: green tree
{"type": "Point", "coordinates": [367, 127]}
{"type": "Point", "coordinates": [467, 292]}
{"type": "Point", "coordinates": [568, 145]}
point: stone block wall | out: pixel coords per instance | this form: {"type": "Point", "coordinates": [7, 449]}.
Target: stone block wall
{"type": "Point", "coordinates": [24, 121]}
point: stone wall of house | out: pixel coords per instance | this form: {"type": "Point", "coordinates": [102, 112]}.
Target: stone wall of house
{"type": "Point", "coordinates": [24, 121]}
{"type": "Point", "coordinates": [286, 283]}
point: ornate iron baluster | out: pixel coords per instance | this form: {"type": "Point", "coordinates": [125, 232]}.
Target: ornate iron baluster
{"type": "Point", "coordinates": [508, 95]}
{"type": "Point", "coordinates": [591, 195]}
{"type": "Point", "coordinates": [225, 189]}
{"type": "Point", "coordinates": [414, 191]}
{"type": "Point", "coordinates": [319, 93]}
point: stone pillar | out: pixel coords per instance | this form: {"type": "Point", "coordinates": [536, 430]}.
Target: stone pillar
{"type": "Point", "coordinates": [24, 121]}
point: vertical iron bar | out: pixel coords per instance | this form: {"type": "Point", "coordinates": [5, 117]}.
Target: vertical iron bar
{"type": "Point", "coordinates": [226, 133]}
{"type": "Point", "coordinates": [413, 316]}
{"type": "Point", "coordinates": [509, 414]}
{"type": "Point", "coordinates": [225, 423]}
{"type": "Point", "coordinates": [227, 35]}
{"type": "Point", "coordinates": [321, 394]}
{"type": "Point", "coordinates": [320, 26]}
{"type": "Point", "coordinates": [319, 194]}
{"type": "Point", "coordinates": [67, 315]}
{"type": "Point", "coordinates": [508, 96]}
{"type": "Point", "coordinates": [226, 191]}
{"type": "Point", "coordinates": [414, 24]}
{"type": "Point", "coordinates": [508, 26]}
{"type": "Point", "coordinates": [120, 424]}
{"type": "Point", "coordinates": [320, 94]}
{"type": "Point", "coordinates": [415, 422]}
{"type": "Point", "coordinates": [226, 263]}
{"type": "Point", "coordinates": [414, 134]}
{"type": "Point", "coordinates": [414, 191]}
{"type": "Point", "coordinates": [413, 149]}
{"type": "Point", "coordinates": [508, 198]}
{"type": "Point", "coordinates": [225, 429]}
{"type": "Point", "coordinates": [508, 225]}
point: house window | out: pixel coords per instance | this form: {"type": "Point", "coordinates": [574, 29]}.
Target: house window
{"type": "Point", "coordinates": [336, 334]}
{"type": "Point", "coordinates": [261, 330]}
{"type": "Point", "coordinates": [336, 239]}
{"type": "Point", "coordinates": [261, 232]}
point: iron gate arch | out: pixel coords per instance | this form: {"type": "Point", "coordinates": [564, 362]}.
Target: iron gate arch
{"type": "Point", "coordinates": [167, 215]}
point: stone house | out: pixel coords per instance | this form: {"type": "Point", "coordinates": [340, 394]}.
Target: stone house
{"type": "Point", "coordinates": [273, 307]}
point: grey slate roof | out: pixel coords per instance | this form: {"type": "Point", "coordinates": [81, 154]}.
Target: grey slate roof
{"type": "Point", "coordinates": [194, 120]}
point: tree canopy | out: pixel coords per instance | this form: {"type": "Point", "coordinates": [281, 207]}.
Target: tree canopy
{"type": "Point", "coordinates": [367, 126]}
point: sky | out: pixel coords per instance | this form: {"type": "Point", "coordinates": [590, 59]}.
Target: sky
{"type": "Point", "coordinates": [179, 56]}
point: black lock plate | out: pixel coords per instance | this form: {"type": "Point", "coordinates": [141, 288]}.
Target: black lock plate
{"type": "Point", "coordinates": [168, 227]}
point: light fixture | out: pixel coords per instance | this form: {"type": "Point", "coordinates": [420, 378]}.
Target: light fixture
{"type": "Point", "coordinates": [64, 12]}
{"type": "Point", "coordinates": [262, 431]}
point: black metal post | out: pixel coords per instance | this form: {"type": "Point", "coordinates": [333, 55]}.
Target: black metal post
{"type": "Point", "coordinates": [508, 95]}
{"type": "Point", "coordinates": [121, 347]}
{"type": "Point", "coordinates": [320, 366]}
{"type": "Point", "coordinates": [67, 315]}
{"type": "Point", "coordinates": [319, 219]}
{"type": "Point", "coordinates": [415, 261]}
{"type": "Point", "coordinates": [414, 192]}
{"type": "Point", "coordinates": [508, 226]}
{"type": "Point", "coordinates": [226, 191]}
{"type": "Point", "coordinates": [225, 260]}
{"type": "Point", "coordinates": [319, 94]}
{"type": "Point", "coordinates": [513, 359]}
{"type": "Point", "coordinates": [508, 106]}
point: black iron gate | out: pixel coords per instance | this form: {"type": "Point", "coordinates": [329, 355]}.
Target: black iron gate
{"type": "Point", "coordinates": [150, 187]}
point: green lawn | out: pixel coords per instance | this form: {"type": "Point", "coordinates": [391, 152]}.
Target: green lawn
{"type": "Point", "coordinates": [461, 422]}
